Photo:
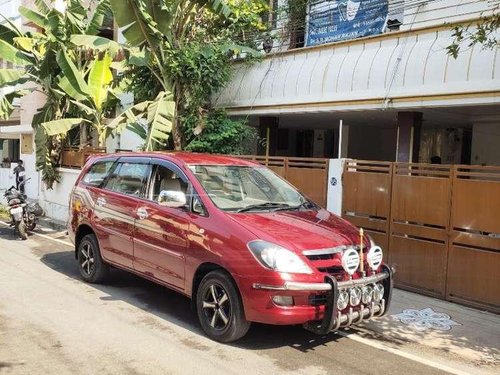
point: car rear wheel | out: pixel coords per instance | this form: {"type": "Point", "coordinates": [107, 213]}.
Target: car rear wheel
{"type": "Point", "coordinates": [220, 309]}
{"type": "Point", "coordinates": [92, 268]}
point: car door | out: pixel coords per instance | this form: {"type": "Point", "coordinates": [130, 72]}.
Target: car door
{"type": "Point", "coordinates": [160, 240]}
{"type": "Point", "coordinates": [116, 209]}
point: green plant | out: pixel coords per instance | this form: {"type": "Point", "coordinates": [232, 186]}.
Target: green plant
{"type": "Point", "coordinates": [186, 49]}
{"type": "Point", "coordinates": [67, 62]}
{"type": "Point", "coordinates": [483, 33]}
{"type": "Point", "coordinates": [222, 135]}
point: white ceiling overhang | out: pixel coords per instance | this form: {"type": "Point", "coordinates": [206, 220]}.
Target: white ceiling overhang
{"type": "Point", "coordinates": [404, 70]}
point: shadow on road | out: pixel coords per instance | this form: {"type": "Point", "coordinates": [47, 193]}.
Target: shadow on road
{"type": "Point", "coordinates": [176, 308]}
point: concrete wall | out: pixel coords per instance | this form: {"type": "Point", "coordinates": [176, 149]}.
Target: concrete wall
{"type": "Point", "coordinates": [439, 12]}
{"type": "Point", "coordinates": [7, 179]}
{"type": "Point", "coordinates": [55, 202]}
{"type": "Point", "coordinates": [486, 144]}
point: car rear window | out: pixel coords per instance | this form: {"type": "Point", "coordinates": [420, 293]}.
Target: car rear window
{"type": "Point", "coordinates": [97, 173]}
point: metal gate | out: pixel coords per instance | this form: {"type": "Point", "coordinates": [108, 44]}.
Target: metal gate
{"type": "Point", "coordinates": [440, 225]}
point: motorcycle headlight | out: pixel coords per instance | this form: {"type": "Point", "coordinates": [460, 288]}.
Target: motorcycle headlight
{"type": "Point", "coordinates": [277, 258]}
{"type": "Point", "coordinates": [374, 257]}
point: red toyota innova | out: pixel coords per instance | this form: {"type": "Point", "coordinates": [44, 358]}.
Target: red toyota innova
{"type": "Point", "coordinates": [230, 234]}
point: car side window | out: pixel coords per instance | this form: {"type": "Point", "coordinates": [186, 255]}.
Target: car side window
{"type": "Point", "coordinates": [165, 179]}
{"type": "Point", "coordinates": [128, 178]}
{"type": "Point", "coordinates": [97, 173]}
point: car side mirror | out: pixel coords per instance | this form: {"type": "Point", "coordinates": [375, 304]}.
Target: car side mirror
{"type": "Point", "coordinates": [172, 198]}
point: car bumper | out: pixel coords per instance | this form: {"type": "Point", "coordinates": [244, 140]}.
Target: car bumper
{"type": "Point", "coordinates": [319, 287]}
{"type": "Point", "coordinates": [321, 318]}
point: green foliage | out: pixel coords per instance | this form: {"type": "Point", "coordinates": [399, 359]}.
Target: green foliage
{"type": "Point", "coordinates": [222, 135]}
{"type": "Point", "coordinates": [483, 33]}
{"type": "Point", "coordinates": [186, 50]}
{"type": "Point", "coordinates": [71, 68]}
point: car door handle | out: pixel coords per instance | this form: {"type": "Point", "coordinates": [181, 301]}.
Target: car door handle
{"type": "Point", "coordinates": [142, 213]}
{"type": "Point", "coordinates": [101, 201]}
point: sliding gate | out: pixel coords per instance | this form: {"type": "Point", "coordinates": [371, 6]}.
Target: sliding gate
{"type": "Point", "coordinates": [439, 225]}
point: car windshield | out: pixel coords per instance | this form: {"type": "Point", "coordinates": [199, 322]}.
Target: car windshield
{"type": "Point", "coordinates": [248, 188]}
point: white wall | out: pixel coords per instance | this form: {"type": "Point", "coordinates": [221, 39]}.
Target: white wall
{"type": "Point", "coordinates": [439, 12]}
{"type": "Point", "coordinates": [486, 143]}
{"type": "Point", "coordinates": [7, 179]}
{"type": "Point", "coordinates": [55, 202]}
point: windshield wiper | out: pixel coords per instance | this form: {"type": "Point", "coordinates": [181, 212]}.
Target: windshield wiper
{"type": "Point", "coordinates": [267, 205]}
{"type": "Point", "coordinates": [306, 204]}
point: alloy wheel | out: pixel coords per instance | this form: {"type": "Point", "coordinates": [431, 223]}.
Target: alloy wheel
{"type": "Point", "coordinates": [87, 260]}
{"type": "Point", "coordinates": [217, 307]}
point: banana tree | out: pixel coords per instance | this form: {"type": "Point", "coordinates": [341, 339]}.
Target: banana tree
{"type": "Point", "coordinates": [157, 27]}
{"type": "Point", "coordinates": [47, 60]}
{"type": "Point", "coordinates": [89, 91]}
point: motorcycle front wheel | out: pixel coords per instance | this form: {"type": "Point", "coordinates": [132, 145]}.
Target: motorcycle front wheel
{"type": "Point", "coordinates": [21, 229]}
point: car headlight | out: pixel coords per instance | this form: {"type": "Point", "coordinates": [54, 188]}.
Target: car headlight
{"type": "Point", "coordinates": [277, 258]}
{"type": "Point", "coordinates": [374, 257]}
{"type": "Point", "coordinates": [350, 261]}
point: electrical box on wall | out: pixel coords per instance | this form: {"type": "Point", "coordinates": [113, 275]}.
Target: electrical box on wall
{"type": "Point", "coordinates": [26, 143]}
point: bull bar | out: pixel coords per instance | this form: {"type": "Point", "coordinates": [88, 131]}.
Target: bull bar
{"type": "Point", "coordinates": [334, 319]}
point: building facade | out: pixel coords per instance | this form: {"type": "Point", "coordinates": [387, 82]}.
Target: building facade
{"type": "Point", "coordinates": [394, 96]}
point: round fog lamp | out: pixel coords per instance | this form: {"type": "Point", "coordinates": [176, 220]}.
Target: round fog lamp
{"type": "Point", "coordinates": [374, 257]}
{"type": "Point", "coordinates": [355, 296]}
{"type": "Point", "coordinates": [343, 300]}
{"type": "Point", "coordinates": [378, 292]}
{"type": "Point", "coordinates": [366, 294]}
{"type": "Point", "coordinates": [350, 261]}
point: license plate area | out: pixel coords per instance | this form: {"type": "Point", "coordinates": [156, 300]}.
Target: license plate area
{"type": "Point", "coordinates": [16, 213]}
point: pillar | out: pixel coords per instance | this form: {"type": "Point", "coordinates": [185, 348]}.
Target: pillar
{"type": "Point", "coordinates": [408, 142]}
{"type": "Point", "coordinates": [268, 126]}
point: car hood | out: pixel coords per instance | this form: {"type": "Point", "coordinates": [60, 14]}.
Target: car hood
{"type": "Point", "coordinates": [299, 230]}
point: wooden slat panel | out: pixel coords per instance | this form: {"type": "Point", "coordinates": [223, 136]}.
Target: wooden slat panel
{"type": "Point", "coordinates": [419, 231]}
{"type": "Point", "coordinates": [367, 223]}
{"type": "Point", "coordinates": [381, 240]}
{"type": "Point", "coordinates": [474, 239]}
{"type": "Point", "coordinates": [312, 182]}
{"type": "Point", "coordinates": [474, 275]}
{"type": "Point", "coordinates": [419, 264]}
{"type": "Point", "coordinates": [278, 170]}
{"type": "Point", "coordinates": [421, 200]}
{"type": "Point", "coordinates": [476, 205]}
{"type": "Point", "coordinates": [366, 193]}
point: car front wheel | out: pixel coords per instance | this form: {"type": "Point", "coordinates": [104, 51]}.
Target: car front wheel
{"type": "Point", "coordinates": [92, 268]}
{"type": "Point", "coordinates": [220, 309]}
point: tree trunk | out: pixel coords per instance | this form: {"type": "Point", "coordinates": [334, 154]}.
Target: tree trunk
{"type": "Point", "coordinates": [177, 134]}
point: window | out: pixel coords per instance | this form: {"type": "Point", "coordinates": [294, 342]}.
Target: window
{"type": "Point", "coordinates": [97, 173]}
{"type": "Point", "coordinates": [166, 179]}
{"type": "Point", "coordinates": [129, 178]}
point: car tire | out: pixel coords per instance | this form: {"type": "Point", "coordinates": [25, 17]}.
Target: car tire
{"type": "Point", "coordinates": [220, 308]}
{"type": "Point", "coordinates": [92, 267]}
{"type": "Point", "coordinates": [21, 229]}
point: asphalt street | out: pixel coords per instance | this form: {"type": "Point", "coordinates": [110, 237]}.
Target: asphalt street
{"type": "Point", "coordinates": [53, 323]}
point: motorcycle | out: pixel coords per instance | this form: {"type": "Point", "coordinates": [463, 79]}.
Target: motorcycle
{"type": "Point", "coordinates": [24, 215]}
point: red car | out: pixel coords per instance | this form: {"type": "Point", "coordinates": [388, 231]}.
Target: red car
{"type": "Point", "coordinates": [230, 234]}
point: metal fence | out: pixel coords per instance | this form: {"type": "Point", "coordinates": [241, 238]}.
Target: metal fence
{"type": "Point", "coordinates": [439, 224]}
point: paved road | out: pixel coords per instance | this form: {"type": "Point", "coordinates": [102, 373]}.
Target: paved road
{"type": "Point", "coordinates": [53, 323]}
